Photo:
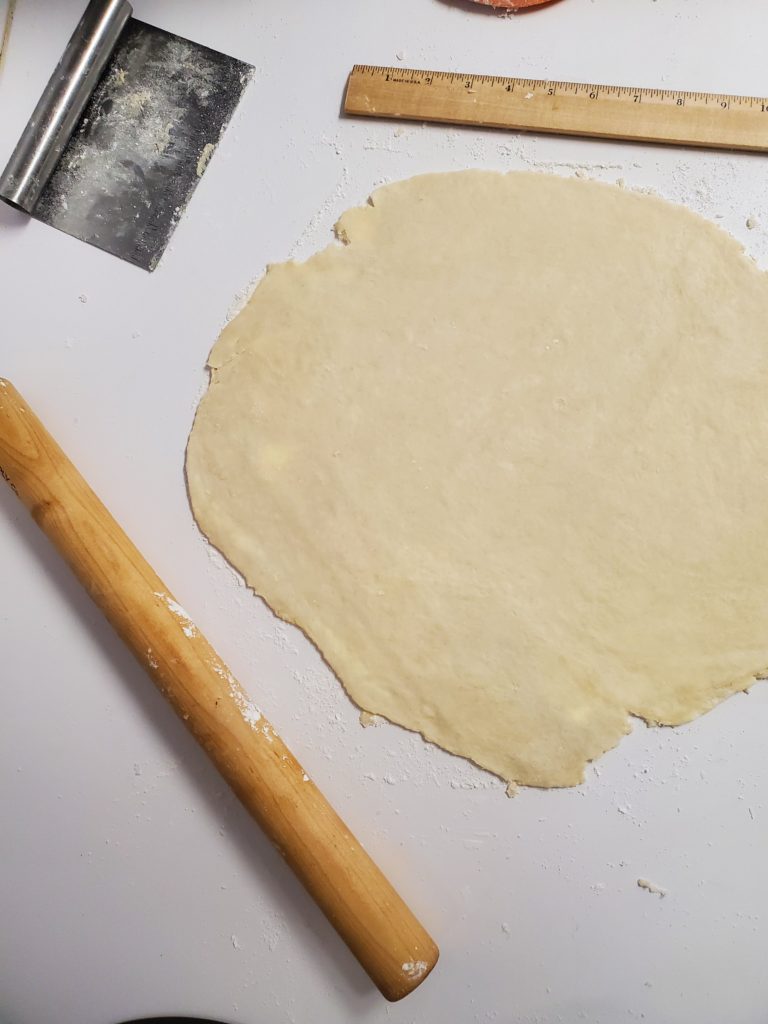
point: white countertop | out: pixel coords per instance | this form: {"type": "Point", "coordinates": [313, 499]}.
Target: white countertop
{"type": "Point", "coordinates": [131, 881]}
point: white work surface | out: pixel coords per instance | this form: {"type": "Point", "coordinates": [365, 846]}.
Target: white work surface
{"type": "Point", "coordinates": [131, 881]}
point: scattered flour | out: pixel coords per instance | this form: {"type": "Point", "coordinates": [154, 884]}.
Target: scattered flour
{"type": "Point", "coordinates": [187, 625]}
{"type": "Point", "coordinates": [656, 890]}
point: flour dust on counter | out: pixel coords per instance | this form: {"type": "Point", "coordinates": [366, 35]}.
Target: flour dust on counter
{"type": "Point", "coordinates": [503, 456]}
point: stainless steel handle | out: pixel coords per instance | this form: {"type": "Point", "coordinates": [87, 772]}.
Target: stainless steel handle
{"type": "Point", "coordinates": [59, 108]}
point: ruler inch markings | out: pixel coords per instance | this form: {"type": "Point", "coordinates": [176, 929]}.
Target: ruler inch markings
{"type": "Point", "coordinates": [621, 112]}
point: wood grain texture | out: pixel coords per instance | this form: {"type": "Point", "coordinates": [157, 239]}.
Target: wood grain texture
{"type": "Point", "coordinates": [563, 108]}
{"type": "Point", "coordinates": [370, 916]}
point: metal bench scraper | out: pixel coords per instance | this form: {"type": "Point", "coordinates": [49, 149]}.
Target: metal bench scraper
{"type": "Point", "coordinates": [123, 133]}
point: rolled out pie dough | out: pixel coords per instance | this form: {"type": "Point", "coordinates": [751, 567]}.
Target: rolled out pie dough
{"type": "Point", "coordinates": [504, 458]}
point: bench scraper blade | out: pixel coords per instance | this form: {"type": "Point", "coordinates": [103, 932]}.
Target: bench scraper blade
{"type": "Point", "coordinates": [123, 133]}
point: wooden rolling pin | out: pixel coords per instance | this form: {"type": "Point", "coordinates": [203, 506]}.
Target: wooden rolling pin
{"type": "Point", "coordinates": [355, 896]}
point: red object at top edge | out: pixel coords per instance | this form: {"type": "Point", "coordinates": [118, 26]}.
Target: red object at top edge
{"type": "Point", "coordinates": [513, 5]}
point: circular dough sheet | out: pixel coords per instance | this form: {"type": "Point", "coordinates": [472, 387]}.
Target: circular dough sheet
{"type": "Point", "coordinates": [504, 458]}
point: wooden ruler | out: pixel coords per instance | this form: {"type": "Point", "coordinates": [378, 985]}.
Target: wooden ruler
{"type": "Point", "coordinates": [566, 108]}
